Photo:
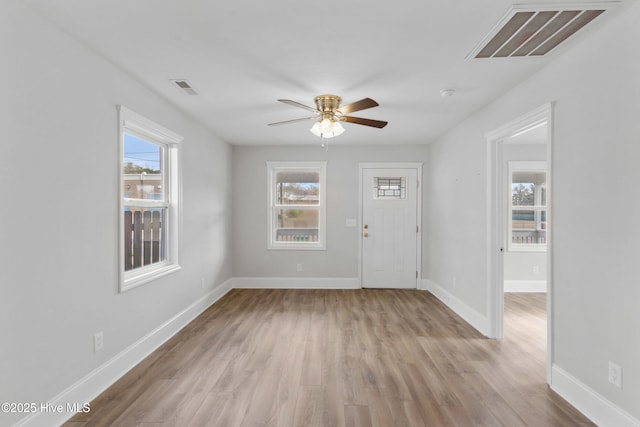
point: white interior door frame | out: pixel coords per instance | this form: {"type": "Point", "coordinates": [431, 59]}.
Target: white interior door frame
{"type": "Point", "coordinates": [497, 217]}
{"type": "Point", "coordinates": [392, 165]}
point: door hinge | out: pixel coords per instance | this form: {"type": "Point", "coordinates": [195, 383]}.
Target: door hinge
{"type": "Point", "coordinates": [416, 274]}
{"type": "Point", "coordinates": [417, 229]}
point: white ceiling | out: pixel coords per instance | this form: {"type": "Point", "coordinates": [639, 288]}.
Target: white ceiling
{"type": "Point", "coordinates": [241, 56]}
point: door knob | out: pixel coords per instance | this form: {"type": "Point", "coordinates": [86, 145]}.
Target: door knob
{"type": "Point", "coordinates": [366, 234]}
{"type": "Point", "coordinates": [366, 226]}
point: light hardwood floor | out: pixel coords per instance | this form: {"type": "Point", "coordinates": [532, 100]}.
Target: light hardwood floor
{"type": "Point", "coordinates": [341, 358]}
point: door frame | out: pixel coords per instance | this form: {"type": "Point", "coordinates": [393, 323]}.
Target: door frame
{"type": "Point", "coordinates": [392, 165]}
{"type": "Point", "coordinates": [497, 217]}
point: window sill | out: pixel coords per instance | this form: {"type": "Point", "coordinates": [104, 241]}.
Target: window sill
{"type": "Point", "coordinates": [297, 247]}
{"type": "Point", "coordinates": [133, 279]}
{"type": "Point", "coordinates": [527, 249]}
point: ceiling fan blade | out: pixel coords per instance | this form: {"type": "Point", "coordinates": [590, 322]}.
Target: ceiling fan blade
{"type": "Point", "coordinates": [292, 121]}
{"type": "Point", "coordinates": [363, 104]}
{"type": "Point", "coordinates": [367, 122]}
{"type": "Point", "coordinates": [297, 104]}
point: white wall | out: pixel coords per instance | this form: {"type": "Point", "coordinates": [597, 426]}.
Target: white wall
{"type": "Point", "coordinates": [596, 232]}
{"type": "Point", "coordinates": [521, 266]}
{"type": "Point", "coordinates": [59, 217]}
{"type": "Point", "coordinates": [340, 260]}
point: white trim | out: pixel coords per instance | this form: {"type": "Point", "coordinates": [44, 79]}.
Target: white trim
{"type": "Point", "coordinates": [295, 283]}
{"type": "Point", "coordinates": [138, 123]}
{"type": "Point", "coordinates": [496, 244]}
{"type": "Point", "coordinates": [586, 400]}
{"type": "Point", "coordinates": [321, 243]}
{"type": "Point", "coordinates": [143, 275]}
{"type": "Point", "coordinates": [521, 124]}
{"type": "Point", "coordinates": [496, 229]}
{"type": "Point", "coordinates": [135, 124]}
{"type": "Point", "coordinates": [468, 314]}
{"type": "Point", "coordinates": [525, 286]}
{"type": "Point", "coordinates": [393, 165]}
{"type": "Point", "coordinates": [101, 378]}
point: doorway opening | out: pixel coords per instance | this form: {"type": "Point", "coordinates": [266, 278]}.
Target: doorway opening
{"type": "Point", "coordinates": [519, 212]}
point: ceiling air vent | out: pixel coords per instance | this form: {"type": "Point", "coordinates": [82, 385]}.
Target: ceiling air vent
{"type": "Point", "coordinates": [534, 31]}
{"type": "Point", "coordinates": [184, 86]}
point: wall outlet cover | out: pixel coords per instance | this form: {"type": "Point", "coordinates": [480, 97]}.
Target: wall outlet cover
{"type": "Point", "coordinates": [615, 375]}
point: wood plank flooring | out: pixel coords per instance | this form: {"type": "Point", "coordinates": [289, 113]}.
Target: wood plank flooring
{"type": "Point", "coordinates": [340, 358]}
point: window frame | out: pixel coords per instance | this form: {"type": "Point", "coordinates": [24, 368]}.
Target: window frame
{"type": "Point", "coordinates": [524, 166]}
{"type": "Point", "coordinates": [273, 167]}
{"type": "Point", "coordinates": [139, 126]}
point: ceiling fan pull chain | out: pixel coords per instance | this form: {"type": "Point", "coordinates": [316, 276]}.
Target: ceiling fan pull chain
{"type": "Point", "coordinates": [324, 142]}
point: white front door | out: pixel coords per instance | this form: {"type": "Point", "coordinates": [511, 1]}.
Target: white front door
{"type": "Point", "coordinates": [389, 229]}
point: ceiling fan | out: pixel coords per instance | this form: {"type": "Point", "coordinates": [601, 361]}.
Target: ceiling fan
{"type": "Point", "coordinates": [328, 114]}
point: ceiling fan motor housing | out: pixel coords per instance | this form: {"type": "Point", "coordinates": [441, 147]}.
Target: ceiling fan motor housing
{"type": "Point", "coordinates": [327, 105]}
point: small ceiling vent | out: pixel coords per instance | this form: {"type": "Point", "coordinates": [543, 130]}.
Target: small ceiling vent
{"type": "Point", "coordinates": [184, 86]}
{"type": "Point", "coordinates": [534, 31]}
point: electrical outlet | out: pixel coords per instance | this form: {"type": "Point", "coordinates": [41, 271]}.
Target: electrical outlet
{"type": "Point", "coordinates": [98, 342]}
{"type": "Point", "coordinates": [615, 375]}
{"type": "Point", "coordinates": [536, 269]}
{"type": "Point", "coordinates": [453, 282]}
{"type": "Point", "coordinates": [299, 267]}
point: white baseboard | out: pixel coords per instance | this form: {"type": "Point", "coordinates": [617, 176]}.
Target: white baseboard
{"type": "Point", "coordinates": [89, 387]}
{"type": "Point", "coordinates": [471, 316]}
{"type": "Point", "coordinates": [525, 286]}
{"type": "Point", "coordinates": [296, 283]}
{"type": "Point", "coordinates": [593, 405]}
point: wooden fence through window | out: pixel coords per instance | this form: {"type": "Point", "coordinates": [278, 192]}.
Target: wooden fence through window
{"type": "Point", "coordinates": [142, 237]}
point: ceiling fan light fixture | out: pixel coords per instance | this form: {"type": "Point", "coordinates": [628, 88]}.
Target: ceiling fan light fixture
{"type": "Point", "coordinates": [315, 129]}
{"type": "Point", "coordinates": [337, 129]}
{"type": "Point", "coordinates": [327, 128]}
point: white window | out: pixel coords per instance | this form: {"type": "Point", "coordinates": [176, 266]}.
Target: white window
{"type": "Point", "coordinates": [297, 213]}
{"type": "Point", "coordinates": [527, 206]}
{"type": "Point", "coordinates": [149, 200]}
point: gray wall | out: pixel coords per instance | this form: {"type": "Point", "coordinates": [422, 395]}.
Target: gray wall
{"type": "Point", "coordinates": [595, 211]}
{"type": "Point", "coordinates": [250, 255]}
{"type": "Point", "coordinates": [59, 215]}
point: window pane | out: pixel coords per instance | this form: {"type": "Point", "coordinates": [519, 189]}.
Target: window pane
{"type": "Point", "coordinates": [297, 188]}
{"type": "Point", "coordinates": [144, 237]}
{"type": "Point", "coordinates": [528, 188]}
{"type": "Point", "coordinates": [142, 169]}
{"type": "Point", "coordinates": [522, 194]}
{"type": "Point", "coordinates": [297, 225]}
{"type": "Point", "coordinates": [389, 188]}
{"type": "Point", "coordinates": [529, 227]}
